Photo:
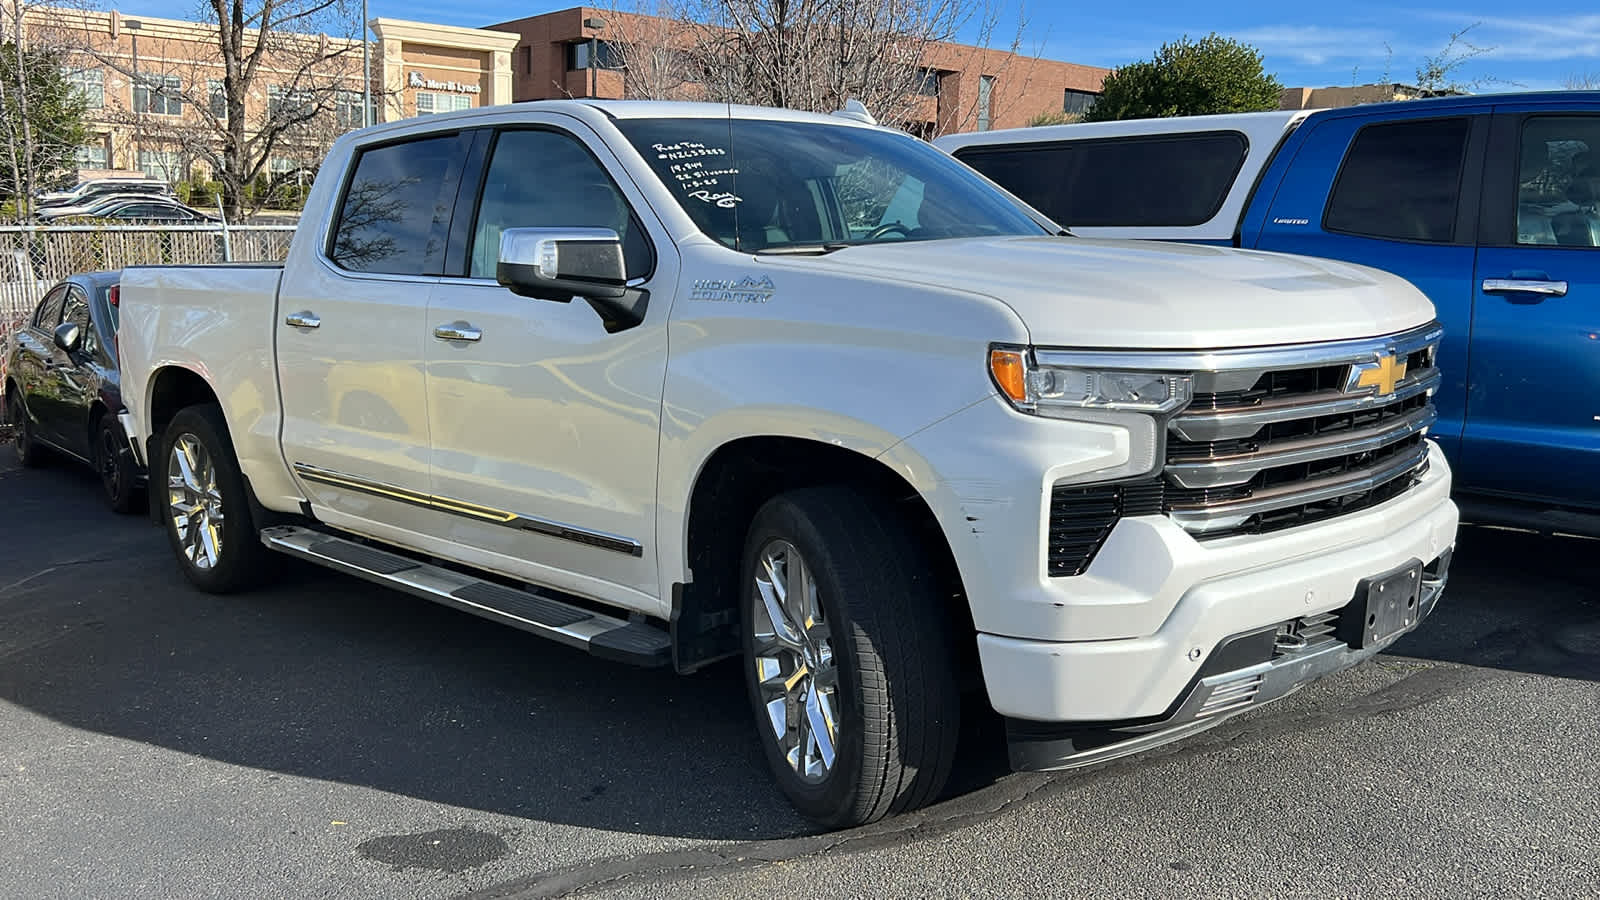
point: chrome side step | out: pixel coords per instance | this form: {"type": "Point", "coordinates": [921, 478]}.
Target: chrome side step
{"type": "Point", "coordinates": [538, 613]}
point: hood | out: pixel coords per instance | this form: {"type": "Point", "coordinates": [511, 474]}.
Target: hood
{"type": "Point", "coordinates": [1119, 294]}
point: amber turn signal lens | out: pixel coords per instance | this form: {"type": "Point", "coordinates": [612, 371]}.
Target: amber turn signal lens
{"type": "Point", "coordinates": [1009, 373]}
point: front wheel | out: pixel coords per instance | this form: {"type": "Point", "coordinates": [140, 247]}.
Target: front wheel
{"type": "Point", "coordinates": [206, 509]}
{"type": "Point", "coordinates": [30, 454]}
{"type": "Point", "coordinates": [848, 658]}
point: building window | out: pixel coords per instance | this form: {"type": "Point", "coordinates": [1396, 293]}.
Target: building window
{"type": "Point", "coordinates": [928, 82]}
{"type": "Point", "coordinates": [607, 56]}
{"type": "Point", "coordinates": [157, 95]}
{"type": "Point", "coordinates": [1078, 103]}
{"type": "Point", "coordinates": [283, 103]}
{"type": "Point", "coordinates": [347, 109]}
{"type": "Point", "coordinates": [164, 164]}
{"type": "Point", "coordinates": [429, 103]}
{"type": "Point", "coordinates": [985, 100]}
{"type": "Point", "coordinates": [90, 84]}
{"type": "Point", "coordinates": [91, 156]}
{"type": "Point", "coordinates": [218, 101]}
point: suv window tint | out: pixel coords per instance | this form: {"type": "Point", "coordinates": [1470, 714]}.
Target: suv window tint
{"type": "Point", "coordinates": [1401, 180]}
{"type": "Point", "coordinates": [1175, 180]}
{"type": "Point", "coordinates": [48, 315]}
{"type": "Point", "coordinates": [572, 191]}
{"type": "Point", "coordinates": [1558, 182]}
{"type": "Point", "coordinates": [396, 206]}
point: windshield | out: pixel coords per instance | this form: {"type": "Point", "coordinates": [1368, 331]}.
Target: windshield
{"type": "Point", "coordinates": [759, 185]}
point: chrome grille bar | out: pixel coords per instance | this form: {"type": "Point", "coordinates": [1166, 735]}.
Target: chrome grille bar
{"type": "Point", "coordinates": [1241, 468]}
{"type": "Point", "coordinates": [1245, 421]}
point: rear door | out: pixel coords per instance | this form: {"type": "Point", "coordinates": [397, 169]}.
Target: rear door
{"type": "Point", "coordinates": [351, 329]}
{"type": "Point", "coordinates": [1533, 423]}
{"type": "Point", "coordinates": [1398, 193]}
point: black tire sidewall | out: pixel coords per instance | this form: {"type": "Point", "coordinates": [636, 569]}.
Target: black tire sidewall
{"type": "Point", "coordinates": [27, 449]}
{"type": "Point", "coordinates": [120, 497]}
{"type": "Point", "coordinates": [834, 798]}
{"type": "Point", "coordinates": [238, 563]}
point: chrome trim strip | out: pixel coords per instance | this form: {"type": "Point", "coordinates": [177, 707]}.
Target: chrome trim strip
{"type": "Point", "coordinates": [1195, 519]}
{"type": "Point", "coordinates": [1240, 468]}
{"type": "Point", "coordinates": [1275, 357]}
{"type": "Point", "coordinates": [548, 527]}
{"type": "Point", "coordinates": [1244, 422]}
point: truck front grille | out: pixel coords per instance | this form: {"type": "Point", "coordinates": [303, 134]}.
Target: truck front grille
{"type": "Point", "coordinates": [1266, 445]}
{"type": "Point", "coordinates": [1081, 518]}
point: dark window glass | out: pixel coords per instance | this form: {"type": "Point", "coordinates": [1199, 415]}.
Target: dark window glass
{"type": "Point", "coordinates": [1402, 181]}
{"type": "Point", "coordinates": [396, 207]}
{"type": "Point", "coordinates": [1166, 181]}
{"type": "Point", "coordinates": [759, 185]}
{"type": "Point", "coordinates": [76, 311]}
{"type": "Point", "coordinates": [572, 191]}
{"type": "Point", "coordinates": [1558, 183]}
{"type": "Point", "coordinates": [48, 315]}
{"type": "Point", "coordinates": [606, 56]}
{"type": "Point", "coordinates": [1077, 103]}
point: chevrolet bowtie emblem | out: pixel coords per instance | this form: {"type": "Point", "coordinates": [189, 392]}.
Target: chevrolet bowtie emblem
{"type": "Point", "coordinates": [1380, 376]}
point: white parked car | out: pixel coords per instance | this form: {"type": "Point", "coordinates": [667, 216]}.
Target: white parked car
{"type": "Point", "coordinates": [676, 382]}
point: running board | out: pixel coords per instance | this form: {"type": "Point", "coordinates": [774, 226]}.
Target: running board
{"type": "Point", "coordinates": [535, 612]}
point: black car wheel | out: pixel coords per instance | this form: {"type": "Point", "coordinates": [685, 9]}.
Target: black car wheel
{"type": "Point", "coordinates": [29, 453]}
{"type": "Point", "coordinates": [114, 461]}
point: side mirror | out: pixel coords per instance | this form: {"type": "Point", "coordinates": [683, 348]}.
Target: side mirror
{"type": "Point", "coordinates": [561, 263]}
{"type": "Point", "coordinates": [69, 336]}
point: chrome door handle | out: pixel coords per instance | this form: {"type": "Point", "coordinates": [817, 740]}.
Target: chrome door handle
{"type": "Point", "coordinates": [304, 319]}
{"type": "Point", "coordinates": [1524, 286]}
{"type": "Point", "coordinates": [457, 331]}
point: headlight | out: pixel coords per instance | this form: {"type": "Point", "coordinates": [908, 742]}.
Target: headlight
{"type": "Point", "coordinates": [1034, 388]}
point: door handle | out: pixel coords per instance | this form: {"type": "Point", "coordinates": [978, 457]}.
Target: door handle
{"type": "Point", "coordinates": [457, 331]}
{"type": "Point", "coordinates": [1543, 287]}
{"type": "Point", "coordinates": [303, 319]}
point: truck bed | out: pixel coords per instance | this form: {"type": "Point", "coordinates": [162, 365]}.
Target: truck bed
{"type": "Point", "coordinates": [217, 321]}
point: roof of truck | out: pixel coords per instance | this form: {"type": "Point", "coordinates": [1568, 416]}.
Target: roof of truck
{"type": "Point", "coordinates": [1257, 126]}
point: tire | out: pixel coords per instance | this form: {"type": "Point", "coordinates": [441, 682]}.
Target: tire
{"type": "Point", "coordinates": [30, 453]}
{"type": "Point", "coordinates": [119, 481]}
{"type": "Point", "coordinates": [207, 517]}
{"type": "Point", "coordinates": [882, 642]}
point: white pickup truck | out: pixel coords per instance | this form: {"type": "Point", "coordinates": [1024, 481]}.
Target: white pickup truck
{"type": "Point", "coordinates": [830, 402]}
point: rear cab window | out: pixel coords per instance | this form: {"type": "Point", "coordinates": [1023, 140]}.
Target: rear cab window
{"type": "Point", "coordinates": [1142, 181]}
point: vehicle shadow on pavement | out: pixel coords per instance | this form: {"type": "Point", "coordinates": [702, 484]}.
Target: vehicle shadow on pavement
{"type": "Point", "coordinates": [323, 676]}
{"type": "Point", "coordinates": [1518, 601]}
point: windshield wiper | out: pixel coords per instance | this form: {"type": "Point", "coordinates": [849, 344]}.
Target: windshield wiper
{"type": "Point", "coordinates": [817, 249]}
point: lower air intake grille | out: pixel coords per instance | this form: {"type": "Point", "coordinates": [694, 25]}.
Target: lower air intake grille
{"type": "Point", "coordinates": [1081, 518]}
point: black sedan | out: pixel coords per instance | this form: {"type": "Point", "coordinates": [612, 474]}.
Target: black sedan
{"type": "Point", "coordinates": [62, 390]}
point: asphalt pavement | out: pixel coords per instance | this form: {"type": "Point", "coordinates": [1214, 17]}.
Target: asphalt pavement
{"type": "Point", "coordinates": [328, 738]}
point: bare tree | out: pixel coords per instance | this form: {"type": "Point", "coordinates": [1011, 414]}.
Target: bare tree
{"type": "Point", "coordinates": [1582, 82]}
{"type": "Point", "coordinates": [41, 113]}
{"type": "Point", "coordinates": [1440, 72]}
{"type": "Point", "coordinates": [804, 54]}
{"type": "Point", "coordinates": [273, 80]}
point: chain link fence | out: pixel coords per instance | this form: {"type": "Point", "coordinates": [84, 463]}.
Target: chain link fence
{"type": "Point", "coordinates": [33, 257]}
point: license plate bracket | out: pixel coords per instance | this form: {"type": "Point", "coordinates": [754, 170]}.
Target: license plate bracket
{"type": "Point", "coordinates": [1384, 606]}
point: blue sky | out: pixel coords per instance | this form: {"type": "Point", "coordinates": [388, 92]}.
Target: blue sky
{"type": "Point", "coordinates": [1315, 44]}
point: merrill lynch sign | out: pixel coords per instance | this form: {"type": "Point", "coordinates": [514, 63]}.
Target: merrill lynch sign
{"type": "Point", "coordinates": [418, 81]}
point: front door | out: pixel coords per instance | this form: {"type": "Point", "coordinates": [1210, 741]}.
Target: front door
{"type": "Point", "coordinates": [545, 427]}
{"type": "Point", "coordinates": [1533, 406]}
{"type": "Point", "coordinates": [71, 381]}
{"type": "Point", "coordinates": [35, 362]}
{"type": "Point", "coordinates": [351, 327]}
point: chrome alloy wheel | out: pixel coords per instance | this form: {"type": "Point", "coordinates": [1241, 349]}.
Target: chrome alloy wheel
{"type": "Point", "coordinates": [795, 671]}
{"type": "Point", "coordinates": [194, 502]}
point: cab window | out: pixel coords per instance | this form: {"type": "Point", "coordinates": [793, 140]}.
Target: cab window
{"type": "Point", "coordinates": [1558, 183]}
{"type": "Point", "coordinates": [48, 315]}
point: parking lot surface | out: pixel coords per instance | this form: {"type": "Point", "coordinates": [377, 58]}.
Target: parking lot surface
{"type": "Point", "coordinates": [329, 738]}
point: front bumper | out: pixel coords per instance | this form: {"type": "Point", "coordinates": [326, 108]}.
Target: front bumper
{"type": "Point", "coordinates": [1245, 671]}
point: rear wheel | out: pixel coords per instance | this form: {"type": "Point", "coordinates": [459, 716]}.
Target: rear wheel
{"type": "Point", "coordinates": [847, 657]}
{"type": "Point", "coordinates": [114, 461]}
{"type": "Point", "coordinates": [206, 505]}
{"type": "Point", "coordinates": [29, 452]}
